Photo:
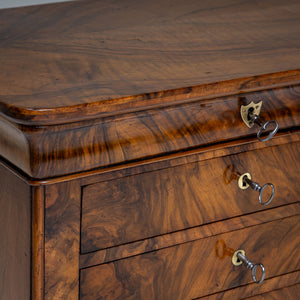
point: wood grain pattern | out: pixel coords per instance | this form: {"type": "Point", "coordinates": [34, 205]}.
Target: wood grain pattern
{"type": "Point", "coordinates": [192, 269]}
{"type": "Point", "coordinates": [113, 107]}
{"type": "Point", "coordinates": [14, 145]}
{"type": "Point", "coordinates": [61, 55]}
{"type": "Point", "coordinates": [80, 146]}
{"type": "Point", "coordinates": [15, 237]}
{"type": "Point", "coordinates": [188, 235]}
{"type": "Point", "coordinates": [38, 242]}
{"type": "Point", "coordinates": [165, 161]}
{"type": "Point", "coordinates": [159, 202]}
{"type": "Point", "coordinates": [254, 290]}
{"type": "Point", "coordinates": [291, 292]}
{"type": "Point", "coordinates": [62, 221]}
{"type": "Point", "coordinates": [129, 111]}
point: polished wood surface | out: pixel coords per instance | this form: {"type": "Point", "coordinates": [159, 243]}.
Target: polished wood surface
{"type": "Point", "coordinates": [120, 128]}
{"type": "Point", "coordinates": [175, 238]}
{"type": "Point", "coordinates": [48, 151]}
{"type": "Point", "coordinates": [195, 269]}
{"type": "Point", "coordinates": [80, 52]}
{"type": "Point", "coordinates": [113, 107]}
{"type": "Point", "coordinates": [160, 201]}
{"type": "Point", "coordinates": [62, 237]}
{"type": "Point", "coordinates": [62, 222]}
{"type": "Point", "coordinates": [290, 292]}
{"type": "Point", "coordinates": [15, 237]}
{"type": "Point", "coordinates": [253, 290]}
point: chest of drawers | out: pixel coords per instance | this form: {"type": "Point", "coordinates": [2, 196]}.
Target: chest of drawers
{"type": "Point", "coordinates": [122, 144]}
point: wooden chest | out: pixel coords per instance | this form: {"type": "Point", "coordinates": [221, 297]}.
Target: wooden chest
{"type": "Point", "coordinates": [123, 150]}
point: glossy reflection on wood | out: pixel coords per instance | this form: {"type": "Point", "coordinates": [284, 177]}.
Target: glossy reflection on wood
{"type": "Point", "coordinates": [80, 146]}
{"type": "Point", "coordinates": [161, 201]}
{"type": "Point", "coordinates": [118, 120]}
{"type": "Point", "coordinates": [61, 55]}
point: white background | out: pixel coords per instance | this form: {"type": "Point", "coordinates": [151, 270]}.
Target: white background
{"type": "Point", "coordinates": [16, 3]}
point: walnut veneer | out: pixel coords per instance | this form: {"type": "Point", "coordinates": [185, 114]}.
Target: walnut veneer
{"type": "Point", "coordinates": [121, 142]}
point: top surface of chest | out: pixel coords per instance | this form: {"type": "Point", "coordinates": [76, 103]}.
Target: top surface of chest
{"type": "Point", "coordinates": [89, 55]}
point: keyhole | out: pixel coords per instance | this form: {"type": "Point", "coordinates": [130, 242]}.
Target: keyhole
{"type": "Point", "coordinates": [244, 181]}
{"type": "Point", "coordinates": [250, 111]}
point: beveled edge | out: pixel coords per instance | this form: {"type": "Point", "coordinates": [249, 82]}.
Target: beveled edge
{"type": "Point", "coordinates": [89, 177]}
{"type": "Point", "coordinates": [104, 108]}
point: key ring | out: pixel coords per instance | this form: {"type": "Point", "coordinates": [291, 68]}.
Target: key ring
{"type": "Point", "coordinates": [253, 273]}
{"type": "Point", "coordinates": [264, 128]}
{"type": "Point", "coordinates": [261, 193]}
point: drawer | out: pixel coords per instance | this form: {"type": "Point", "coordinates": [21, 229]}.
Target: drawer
{"type": "Point", "coordinates": [159, 201]}
{"type": "Point", "coordinates": [196, 269]}
{"type": "Point", "coordinates": [83, 138]}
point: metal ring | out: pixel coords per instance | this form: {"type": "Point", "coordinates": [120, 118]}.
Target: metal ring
{"type": "Point", "coordinates": [254, 273]}
{"type": "Point", "coordinates": [261, 193]}
{"type": "Point", "coordinates": [264, 127]}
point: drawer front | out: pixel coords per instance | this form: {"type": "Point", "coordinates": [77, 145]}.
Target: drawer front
{"type": "Point", "coordinates": [290, 292]}
{"type": "Point", "coordinates": [162, 201]}
{"type": "Point", "coordinates": [198, 268]}
{"type": "Point", "coordinates": [51, 151]}
{"type": "Point", "coordinates": [285, 285]}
